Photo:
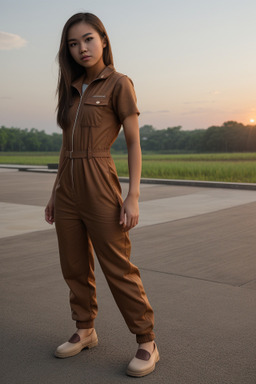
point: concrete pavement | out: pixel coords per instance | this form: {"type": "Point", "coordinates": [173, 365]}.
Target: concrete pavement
{"type": "Point", "coordinates": [195, 248]}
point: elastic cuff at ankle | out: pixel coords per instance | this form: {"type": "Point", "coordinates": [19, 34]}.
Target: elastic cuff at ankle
{"type": "Point", "coordinates": [145, 338]}
{"type": "Point", "coordinates": [85, 324]}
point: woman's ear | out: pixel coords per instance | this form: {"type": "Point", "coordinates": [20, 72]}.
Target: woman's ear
{"type": "Point", "coordinates": [104, 42]}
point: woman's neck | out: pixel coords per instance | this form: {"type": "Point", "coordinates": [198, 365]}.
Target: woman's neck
{"type": "Point", "coordinates": [93, 73]}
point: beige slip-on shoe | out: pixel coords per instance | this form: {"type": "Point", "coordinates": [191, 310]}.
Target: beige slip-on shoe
{"type": "Point", "coordinates": [76, 344]}
{"type": "Point", "coordinates": [143, 363]}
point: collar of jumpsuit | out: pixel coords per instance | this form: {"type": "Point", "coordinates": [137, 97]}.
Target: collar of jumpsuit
{"type": "Point", "coordinates": [107, 71]}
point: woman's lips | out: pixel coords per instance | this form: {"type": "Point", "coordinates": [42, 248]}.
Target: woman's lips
{"type": "Point", "coordinates": [85, 58]}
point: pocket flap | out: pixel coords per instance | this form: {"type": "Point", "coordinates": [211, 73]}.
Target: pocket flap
{"type": "Point", "coordinates": [96, 100]}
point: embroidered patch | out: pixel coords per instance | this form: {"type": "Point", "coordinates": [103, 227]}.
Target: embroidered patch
{"type": "Point", "coordinates": [74, 339]}
{"type": "Point", "coordinates": [142, 354]}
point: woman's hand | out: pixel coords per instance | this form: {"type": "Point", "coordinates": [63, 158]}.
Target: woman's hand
{"type": "Point", "coordinates": [49, 211]}
{"type": "Point", "coordinates": [129, 215]}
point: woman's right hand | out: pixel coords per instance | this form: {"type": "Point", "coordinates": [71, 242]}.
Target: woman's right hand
{"type": "Point", "coordinates": [49, 211]}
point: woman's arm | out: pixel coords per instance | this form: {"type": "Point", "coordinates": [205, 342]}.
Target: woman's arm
{"type": "Point", "coordinates": [129, 216]}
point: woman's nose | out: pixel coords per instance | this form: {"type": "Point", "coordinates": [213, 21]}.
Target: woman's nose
{"type": "Point", "coordinates": [83, 48]}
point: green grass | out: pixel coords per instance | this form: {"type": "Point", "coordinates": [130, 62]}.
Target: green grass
{"type": "Point", "coordinates": [208, 171]}
{"type": "Point", "coordinates": [29, 158]}
{"type": "Point", "coordinates": [231, 171]}
{"type": "Point", "coordinates": [231, 167]}
{"type": "Point", "coordinates": [204, 157]}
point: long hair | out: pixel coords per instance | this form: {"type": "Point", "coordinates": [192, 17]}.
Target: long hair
{"type": "Point", "coordinates": [69, 70]}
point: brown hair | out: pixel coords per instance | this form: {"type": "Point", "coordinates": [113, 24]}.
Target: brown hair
{"type": "Point", "coordinates": [69, 70]}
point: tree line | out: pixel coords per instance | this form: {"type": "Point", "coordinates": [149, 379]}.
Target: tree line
{"type": "Point", "coordinates": [22, 140]}
{"type": "Point", "coordinates": [229, 137]}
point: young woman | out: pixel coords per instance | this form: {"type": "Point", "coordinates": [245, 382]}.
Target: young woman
{"type": "Point", "coordinates": [86, 204]}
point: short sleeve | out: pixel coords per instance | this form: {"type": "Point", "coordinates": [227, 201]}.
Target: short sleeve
{"type": "Point", "coordinates": [124, 99]}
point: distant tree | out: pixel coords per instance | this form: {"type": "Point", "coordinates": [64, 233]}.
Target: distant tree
{"type": "Point", "coordinates": [3, 138]}
{"type": "Point", "coordinates": [146, 131]}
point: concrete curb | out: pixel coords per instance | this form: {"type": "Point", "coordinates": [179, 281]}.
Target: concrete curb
{"type": "Point", "coordinates": [195, 183]}
{"type": "Point", "coordinates": [23, 167]}
{"type": "Point", "coordinates": [191, 183]}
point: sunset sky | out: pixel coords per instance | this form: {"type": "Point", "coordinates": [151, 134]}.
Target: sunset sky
{"type": "Point", "coordinates": [193, 63]}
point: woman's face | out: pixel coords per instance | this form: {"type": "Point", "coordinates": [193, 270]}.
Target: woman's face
{"type": "Point", "coordinates": [86, 46]}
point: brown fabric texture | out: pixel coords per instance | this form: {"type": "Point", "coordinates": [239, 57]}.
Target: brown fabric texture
{"type": "Point", "coordinates": [87, 205]}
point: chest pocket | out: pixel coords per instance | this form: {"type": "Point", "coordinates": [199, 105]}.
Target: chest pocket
{"type": "Point", "coordinates": [93, 111]}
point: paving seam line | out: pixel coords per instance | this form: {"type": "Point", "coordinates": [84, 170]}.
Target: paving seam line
{"type": "Point", "coordinates": [190, 277]}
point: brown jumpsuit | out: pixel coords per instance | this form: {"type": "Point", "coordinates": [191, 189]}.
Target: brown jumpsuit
{"type": "Point", "coordinates": [87, 205]}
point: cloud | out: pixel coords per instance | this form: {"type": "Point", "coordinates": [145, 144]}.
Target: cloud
{"type": "Point", "coordinates": [199, 102]}
{"type": "Point", "coordinates": [201, 111]}
{"type": "Point", "coordinates": [215, 92]}
{"type": "Point", "coordinates": [10, 41]}
{"type": "Point", "coordinates": [161, 111]}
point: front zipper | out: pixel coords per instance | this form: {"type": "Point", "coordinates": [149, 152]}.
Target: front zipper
{"type": "Point", "coordinates": [73, 130]}
{"type": "Point", "coordinates": [72, 140]}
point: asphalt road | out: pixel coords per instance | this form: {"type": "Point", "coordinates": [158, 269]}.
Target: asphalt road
{"type": "Point", "coordinates": [195, 248]}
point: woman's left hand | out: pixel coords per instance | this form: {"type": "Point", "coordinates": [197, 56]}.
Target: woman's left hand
{"type": "Point", "coordinates": [129, 215]}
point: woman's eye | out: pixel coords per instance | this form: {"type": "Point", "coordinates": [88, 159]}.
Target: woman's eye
{"type": "Point", "coordinates": [72, 45]}
{"type": "Point", "coordinates": [89, 39]}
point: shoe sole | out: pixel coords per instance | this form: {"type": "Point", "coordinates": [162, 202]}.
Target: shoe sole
{"type": "Point", "coordinates": [146, 372]}
{"type": "Point", "coordinates": [76, 351]}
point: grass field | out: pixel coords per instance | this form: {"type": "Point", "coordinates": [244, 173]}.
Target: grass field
{"type": "Point", "coordinates": [232, 167]}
